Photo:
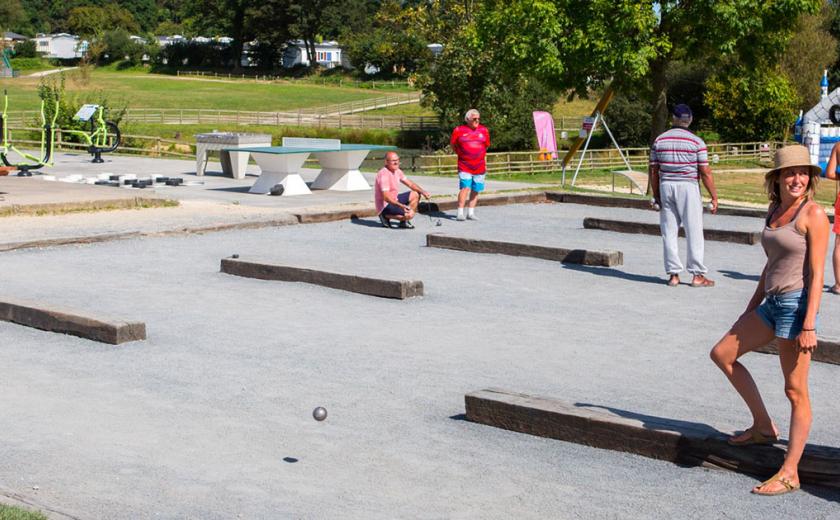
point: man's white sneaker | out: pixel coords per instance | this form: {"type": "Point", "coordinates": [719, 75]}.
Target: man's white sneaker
{"type": "Point", "coordinates": [460, 217]}
{"type": "Point", "coordinates": [473, 217]}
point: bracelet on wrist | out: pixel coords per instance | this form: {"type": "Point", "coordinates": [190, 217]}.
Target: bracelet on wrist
{"type": "Point", "coordinates": [809, 330]}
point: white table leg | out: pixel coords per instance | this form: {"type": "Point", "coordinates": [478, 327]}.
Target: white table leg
{"type": "Point", "coordinates": [280, 169]}
{"type": "Point", "coordinates": [239, 163]}
{"type": "Point", "coordinates": [340, 171]}
{"type": "Point", "coordinates": [200, 156]}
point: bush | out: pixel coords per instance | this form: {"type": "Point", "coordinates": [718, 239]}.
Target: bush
{"type": "Point", "coordinates": [629, 118]}
{"type": "Point", "coordinates": [26, 49]}
{"type": "Point", "coordinates": [751, 104]}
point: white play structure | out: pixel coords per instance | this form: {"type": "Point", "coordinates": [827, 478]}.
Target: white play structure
{"type": "Point", "coordinates": [819, 128]}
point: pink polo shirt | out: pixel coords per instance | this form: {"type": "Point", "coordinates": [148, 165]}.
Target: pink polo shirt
{"type": "Point", "coordinates": [389, 181]}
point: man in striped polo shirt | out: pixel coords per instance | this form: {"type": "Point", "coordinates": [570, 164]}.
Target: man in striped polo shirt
{"type": "Point", "coordinates": [678, 158]}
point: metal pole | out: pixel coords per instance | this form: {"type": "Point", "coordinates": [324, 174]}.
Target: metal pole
{"type": "Point", "coordinates": [586, 146]}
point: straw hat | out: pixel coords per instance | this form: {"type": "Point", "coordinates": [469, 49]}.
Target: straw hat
{"type": "Point", "coordinates": [794, 155]}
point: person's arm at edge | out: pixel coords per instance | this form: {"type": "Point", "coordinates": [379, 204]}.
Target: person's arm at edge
{"type": "Point", "coordinates": [831, 168]}
{"type": "Point", "coordinates": [415, 187]}
{"type": "Point", "coordinates": [453, 141]}
{"type": "Point", "coordinates": [709, 182]}
{"type": "Point", "coordinates": [653, 180]}
{"type": "Point", "coordinates": [816, 233]}
{"type": "Point", "coordinates": [758, 295]}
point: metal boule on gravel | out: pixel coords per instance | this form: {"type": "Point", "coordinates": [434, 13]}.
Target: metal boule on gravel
{"type": "Point", "coordinates": [319, 413]}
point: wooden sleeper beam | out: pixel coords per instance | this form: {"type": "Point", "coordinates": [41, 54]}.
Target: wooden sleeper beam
{"type": "Point", "coordinates": [557, 254]}
{"type": "Point", "coordinates": [399, 289]}
{"type": "Point", "coordinates": [65, 321]}
{"type": "Point", "coordinates": [719, 235]}
{"type": "Point", "coordinates": [655, 437]}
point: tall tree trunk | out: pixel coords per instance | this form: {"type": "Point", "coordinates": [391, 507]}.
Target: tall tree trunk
{"type": "Point", "coordinates": [238, 33]}
{"type": "Point", "coordinates": [309, 43]}
{"type": "Point", "coordinates": [659, 97]}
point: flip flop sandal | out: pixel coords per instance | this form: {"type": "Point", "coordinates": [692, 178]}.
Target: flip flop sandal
{"type": "Point", "coordinates": [834, 290]}
{"type": "Point", "coordinates": [755, 437]}
{"type": "Point", "coordinates": [673, 283]}
{"type": "Point", "coordinates": [786, 482]}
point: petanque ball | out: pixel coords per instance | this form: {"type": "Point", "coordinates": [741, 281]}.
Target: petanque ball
{"type": "Point", "coordinates": [234, 256]}
{"type": "Point", "coordinates": [320, 413]}
{"type": "Point", "coordinates": [277, 189]}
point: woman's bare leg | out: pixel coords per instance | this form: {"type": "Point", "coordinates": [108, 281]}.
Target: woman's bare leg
{"type": "Point", "coordinates": [795, 365]}
{"type": "Point", "coordinates": [749, 333]}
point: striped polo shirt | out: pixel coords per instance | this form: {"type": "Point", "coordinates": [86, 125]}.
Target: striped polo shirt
{"type": "Point", "coordinates": [678, 153]}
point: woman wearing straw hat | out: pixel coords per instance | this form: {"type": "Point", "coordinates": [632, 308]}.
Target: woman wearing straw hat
{"type": "Point", "coordinates": [784, 307]}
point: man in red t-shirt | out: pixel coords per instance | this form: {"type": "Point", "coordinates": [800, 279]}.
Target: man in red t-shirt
{"type": "Point", "coordinates": [470, 142]}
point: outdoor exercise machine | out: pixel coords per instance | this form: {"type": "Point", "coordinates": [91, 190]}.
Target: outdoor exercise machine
{"type": "Point", "coordinates": [103, 137]}
{"type": "Point", "coordinates": [29, 162]}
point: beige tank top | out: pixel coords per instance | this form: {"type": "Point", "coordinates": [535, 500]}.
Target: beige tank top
{"type": "Point", "coordinates": [787, 256]}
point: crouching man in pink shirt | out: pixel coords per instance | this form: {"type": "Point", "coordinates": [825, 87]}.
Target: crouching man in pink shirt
{"type": "Point", "coordinates": [390, 204]}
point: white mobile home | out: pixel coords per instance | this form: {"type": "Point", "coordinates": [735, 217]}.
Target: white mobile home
{"type": "Point", "coordinates": [61, 46]}
{"type": "Point", "coordinates": [327, 54]}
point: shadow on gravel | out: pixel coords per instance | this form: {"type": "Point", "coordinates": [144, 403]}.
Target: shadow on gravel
{"type": "Point", "coordinates": [735, 275]}
{"type": "Point", "coordinates": [700, 444]}
{"type": "Point", "coordinates": [236, 189]}
{"type": "Point", "coordinates": [366, 222]}
{"type": "Point", "coordinates": [614, 273]}
{"type": "Point", "coordinates": [459, 417]}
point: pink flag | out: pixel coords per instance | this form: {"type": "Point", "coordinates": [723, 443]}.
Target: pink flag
{"type": "Point", "coordinates": [546, 138]}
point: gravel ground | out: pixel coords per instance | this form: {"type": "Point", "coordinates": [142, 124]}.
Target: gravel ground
{"type": "Point", "coordinates": [196, 421]}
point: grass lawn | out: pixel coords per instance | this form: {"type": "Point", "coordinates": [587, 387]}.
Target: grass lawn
{"type": "Point", "coordinates": [138, 89]}
{"type": "Point", "coordinates": [25, 66]}
{"type": "Point", "coordinates": [575, 108]}
{"type": "Point", "coordinates": [16, 513]}
{"type": "Point", "coordinates": [186, 133]}
{"type": "Point", "coordinates": [411, 109]}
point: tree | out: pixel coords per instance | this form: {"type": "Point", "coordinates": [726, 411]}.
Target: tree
{"type": "Point", "coordinates": [92, 22]}
{"type": "Point", "coordinates": [581, 44]}
{"type": "Point", "coordinates": [391, 43]}
{"type": "Point", "coordinates": [467, 74]}
{"type": "Point", "coordinates": [811, 50]}
{"type": "Point", "coordinates": [751, 104]}
{"type": "Point", "coordinates": [224, 17]}
{"type": "Point", "coordinates": [11, 14]}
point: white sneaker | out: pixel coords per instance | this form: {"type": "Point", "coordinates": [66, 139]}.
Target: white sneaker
{"type": "Point", "coordinates": [461, 217]}
{"type": "Point", "coordinates": [473, 217]}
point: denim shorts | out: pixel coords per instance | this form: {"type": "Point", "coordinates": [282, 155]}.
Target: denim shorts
{"type": "Point", "coordinates": [473, 182]}
{"type": "Point", "coordinates": [784, 313]}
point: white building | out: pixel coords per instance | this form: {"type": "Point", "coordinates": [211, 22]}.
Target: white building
{"type": "Point", "coordinates": [163, 41]}
{"type": "Point", "coordinates": [327, 54]}
{"type": "Point", "coordinates": [61, 46]}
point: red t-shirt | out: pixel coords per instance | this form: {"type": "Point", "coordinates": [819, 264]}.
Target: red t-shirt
{"type": "Point", "coordinates": [471, 147]}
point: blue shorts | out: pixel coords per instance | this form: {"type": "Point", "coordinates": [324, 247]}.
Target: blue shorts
{"type": "Point", "coordinates": [473, 182]}
{"type": "Point", "coordinates": [390, 209]}
{"type": "Point", "coordinates": [784, 313]}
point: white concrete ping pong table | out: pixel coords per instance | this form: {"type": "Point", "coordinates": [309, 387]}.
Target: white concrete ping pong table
{"type": "Point", "coordinates": [281, 165]}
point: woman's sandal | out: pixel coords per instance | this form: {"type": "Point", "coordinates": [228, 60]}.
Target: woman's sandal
{"type": "Point", "coordinates": [756, 437]}
{"type": "Point", "coordinates": [789, 486]}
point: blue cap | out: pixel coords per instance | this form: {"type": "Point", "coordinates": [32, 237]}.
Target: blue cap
{"type": "Point", "coordinates": [682, 111]}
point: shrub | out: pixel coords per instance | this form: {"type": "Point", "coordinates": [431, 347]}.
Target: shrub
{"type": "Point", "coordinates": [26, 49]}
{"type": "Point", "coordinates": [751, 104]}
{"type": "Point", "coordinates": [629, 118]}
